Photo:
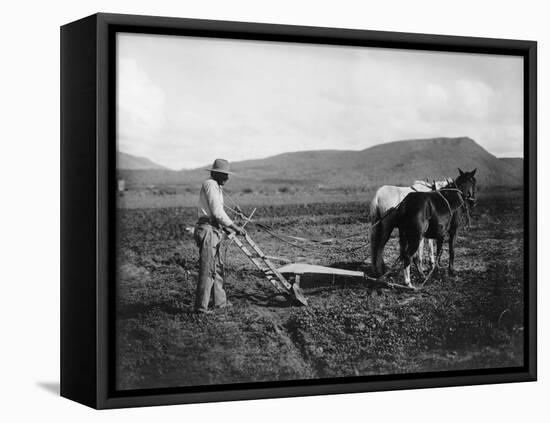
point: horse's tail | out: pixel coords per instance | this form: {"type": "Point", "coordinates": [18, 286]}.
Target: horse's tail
{"type": "Point", "coordinates": [375, 253]}
{"type": "Point", "coordinates": [374, 211]}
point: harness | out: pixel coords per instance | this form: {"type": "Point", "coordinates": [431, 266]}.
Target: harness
{"type": "Point", "coordinates": [447, 203]}
{"type": "Point", "coordinates": [285, 238]}
{"type": "Point", "coordinates": [463, 202]}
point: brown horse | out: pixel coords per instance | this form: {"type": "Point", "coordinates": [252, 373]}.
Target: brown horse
{"type": "Point", "coordinates": [391, 219]}
{"type": "Point", "coordinates": [385, 199]}
{"type": "Point", "coordinates": [434, 215]}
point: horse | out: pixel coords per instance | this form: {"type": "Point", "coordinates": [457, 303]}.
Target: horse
{"type": "Point", "coordinates": [434, 215]}
{"type": "Point", "coordinates": [386, 198]}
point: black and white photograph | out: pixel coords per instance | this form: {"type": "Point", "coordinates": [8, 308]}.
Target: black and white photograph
{"type": "Point", "coordinates": [299, 211]}
{"type": "Point", "coordinates": [275, 211]}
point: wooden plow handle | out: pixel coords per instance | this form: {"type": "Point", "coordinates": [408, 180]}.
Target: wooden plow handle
{"type": "Point", "coordinates": [262, 262]}
{"type": "Point", "coordinates": [258, 264]}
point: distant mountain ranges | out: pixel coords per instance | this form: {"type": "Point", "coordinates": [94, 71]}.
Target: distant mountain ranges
{"type": "Point", "coordinates": [395, 163]}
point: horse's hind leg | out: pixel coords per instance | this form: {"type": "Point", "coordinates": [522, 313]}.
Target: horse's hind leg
{"type": "Point", "coordinates": [439, 242]}
{"type": "Point", "coordinates": [418, 264]}
{"type": "Point", "coordinates": [420, 252]}
{"type": "Point", "coordinates": [431, 245]}
{"type": "Point", "coordinates": [407, 272]}
{"type": "Point", "coordinates": [408, 249]}
{"type": "Point", "coordinates": [415, 243]}
{"type": "Point", "coordinates": [405, 258]}
{"type": "Point", "coordinates": [376, 251]}
{"type": "Point", "coordinates": [380, 234]}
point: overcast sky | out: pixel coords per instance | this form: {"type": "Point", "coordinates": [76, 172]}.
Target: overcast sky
{"type": "Point", "coordinates": [184, 101]}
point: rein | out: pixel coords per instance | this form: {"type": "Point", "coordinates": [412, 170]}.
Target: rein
{"type": "Point", "coordinates": [281, 237]}
{"type": "Point", "coordinates": [463, 203]}
{"type": "Point", "coordinates": [284, 238]}
{"type": "Point", "coordinates": [447, 203]}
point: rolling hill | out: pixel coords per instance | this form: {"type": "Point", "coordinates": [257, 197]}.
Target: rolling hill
{"type": "Point", "coordinates": [396, 163]}
{"type": "Point", "coordinates": [128, 162]}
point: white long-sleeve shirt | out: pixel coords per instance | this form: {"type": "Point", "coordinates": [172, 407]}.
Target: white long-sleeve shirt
{"type": "Point", "coordinates": [211, 203]}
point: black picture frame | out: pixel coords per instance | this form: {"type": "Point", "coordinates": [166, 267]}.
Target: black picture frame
{"type": "Point", "coordinates": [88, 52]}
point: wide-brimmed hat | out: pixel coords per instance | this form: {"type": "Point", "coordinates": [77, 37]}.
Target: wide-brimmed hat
{"type": "Point", "coordinates": [221, 166]}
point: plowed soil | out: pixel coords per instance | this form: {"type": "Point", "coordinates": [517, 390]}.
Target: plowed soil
{"type": "Point", "coordinates": [471, 320]}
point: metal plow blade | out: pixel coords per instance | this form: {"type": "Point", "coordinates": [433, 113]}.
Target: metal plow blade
{"type": "Point", "coordinates": [299, 269]}
{"type": "Point", "coordinates": [297, 293]}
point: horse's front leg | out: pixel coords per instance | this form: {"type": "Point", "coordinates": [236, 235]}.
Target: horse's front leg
{"type": "Point", "coordinates": [452, 237]}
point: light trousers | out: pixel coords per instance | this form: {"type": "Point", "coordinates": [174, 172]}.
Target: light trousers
{"type": "Point", "coordinates": [211, 271]}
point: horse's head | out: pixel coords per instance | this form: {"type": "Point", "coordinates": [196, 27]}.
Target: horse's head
{"type": "Point", "coordinates": [466, 183]}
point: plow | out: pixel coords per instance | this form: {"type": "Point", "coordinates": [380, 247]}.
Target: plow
{"type": "Point", "coordinates": [269, 270]}
{"type": "Point", "coordinates": [286, 279]}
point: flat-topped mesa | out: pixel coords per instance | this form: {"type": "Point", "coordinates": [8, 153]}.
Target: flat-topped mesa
{"type": "Point", "coordinates": [392, 163]}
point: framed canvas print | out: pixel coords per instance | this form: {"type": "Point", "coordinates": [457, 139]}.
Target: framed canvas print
{"type": "Point", "coordinates": [255, 211]}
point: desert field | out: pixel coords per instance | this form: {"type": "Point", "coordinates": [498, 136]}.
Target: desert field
{"type": "Point", "coordinates": [471, 320]}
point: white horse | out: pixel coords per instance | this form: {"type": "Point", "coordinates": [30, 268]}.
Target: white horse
{"type": "Point", "coordinates": [386, 198]}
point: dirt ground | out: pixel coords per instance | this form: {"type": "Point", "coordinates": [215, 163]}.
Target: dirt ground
{"type": "Point", "coordinates": [471, 320]}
